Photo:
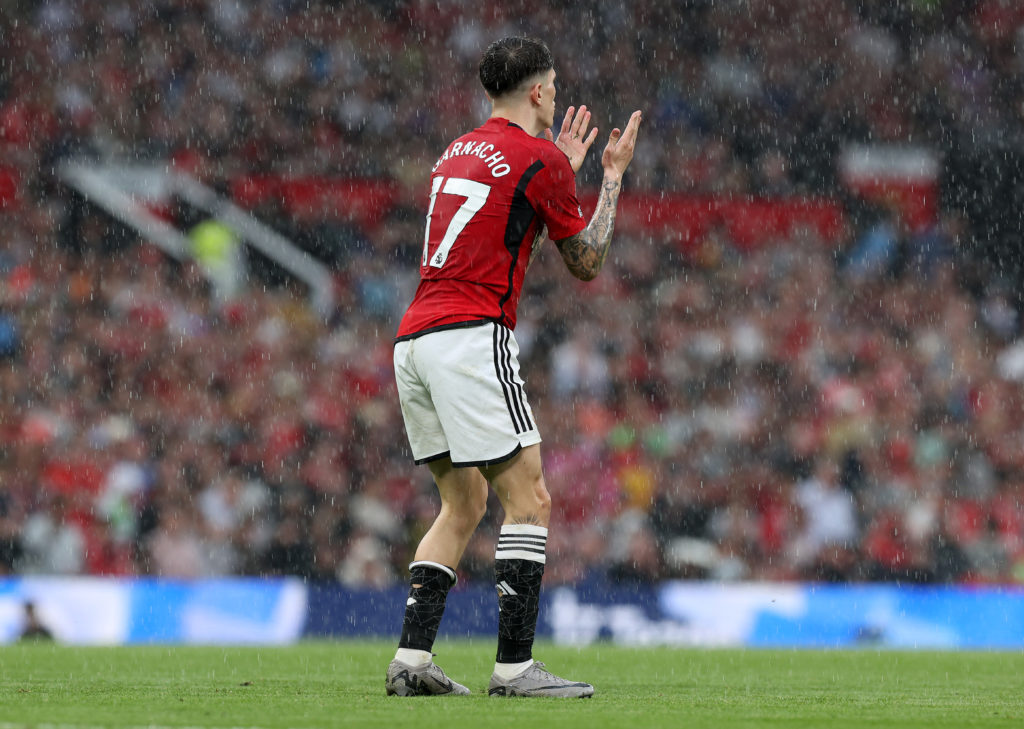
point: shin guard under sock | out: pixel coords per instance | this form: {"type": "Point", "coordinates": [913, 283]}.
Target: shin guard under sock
{"type": "Point", "coordinates": [428, 592]}
{"type": "Point", "coordinates": [518, 570]}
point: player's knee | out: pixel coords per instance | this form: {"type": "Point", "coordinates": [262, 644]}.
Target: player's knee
{"type": "Point", "coordinates": [477, 507]}
{"type": "Point", "coordinates": [545, 504]}
{"type": "Point", "coordinates": [542, 500]}
{"type": "Point", "coordinates": [465, 516]}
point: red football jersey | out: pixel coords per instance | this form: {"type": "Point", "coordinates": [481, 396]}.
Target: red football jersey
{"type": "Point", "coordinates": [490, 194]}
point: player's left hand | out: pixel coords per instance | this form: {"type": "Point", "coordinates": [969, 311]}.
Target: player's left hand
{"type": "Point", "coordinates": [573, 139]}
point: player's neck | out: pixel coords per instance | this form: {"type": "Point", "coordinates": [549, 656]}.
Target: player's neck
{"type": "Point", "coordinates": [525, 118]}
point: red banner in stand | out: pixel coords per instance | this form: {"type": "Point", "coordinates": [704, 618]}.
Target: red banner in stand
{"type": "Point", "coordinates": [749, 222]}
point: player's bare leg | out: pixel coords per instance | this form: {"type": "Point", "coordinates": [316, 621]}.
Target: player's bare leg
{"type": "Point", "coordinates": [463, 494]}
{"type": "Point", "coordinates": [519, 484]}
{"type": "Point", "coordinates": [463, 502]}
{"type": "Point", "coordinates": [518, 570]}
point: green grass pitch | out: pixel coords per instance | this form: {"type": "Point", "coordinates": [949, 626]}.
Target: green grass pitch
{"type": "Point", "coordinates": [315, 685]}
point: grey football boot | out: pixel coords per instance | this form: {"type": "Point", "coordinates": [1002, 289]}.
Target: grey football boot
{"type": "Point", "coordinates": [535, 681]}
{"type": "Point", "coordinates": [426, 680]}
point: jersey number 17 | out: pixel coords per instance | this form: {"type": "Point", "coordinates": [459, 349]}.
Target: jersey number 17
{"type": "Point", "coordinates": [476, 195]}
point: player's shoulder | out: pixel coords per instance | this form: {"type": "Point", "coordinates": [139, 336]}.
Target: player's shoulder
{"type": "Point", "coordinates": [556, 163]}
{"type": "Point", "coordinates": [553, 156]}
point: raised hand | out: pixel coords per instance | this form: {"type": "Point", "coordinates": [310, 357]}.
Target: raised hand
{"type": "Point", "coordinates": [573, 139]}
{"type": "Point", "coordinates": [619, 151]}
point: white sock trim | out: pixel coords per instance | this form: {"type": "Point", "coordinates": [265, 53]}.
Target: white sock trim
{"type": "Point", "coordinates": [520, 554]}
{"type": "Point", "coordinates": [522, 541]}
{"type": "Point", "coordinates": [437, 566]}
{"type": "Point", "coordinates": [525, 530]}
{"type": "Point", "coordinates": [508, 671]}
{"type": "Point", "coordinates": [413, 657]}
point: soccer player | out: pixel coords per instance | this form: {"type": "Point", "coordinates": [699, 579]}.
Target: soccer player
{"type": "Point", "coordinates": [493, 194]}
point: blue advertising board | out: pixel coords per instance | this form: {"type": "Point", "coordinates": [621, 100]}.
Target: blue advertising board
{"type": "Point", "coordinates": [240, 610]}
{"type": "Point", "coordinates": [109, 611]}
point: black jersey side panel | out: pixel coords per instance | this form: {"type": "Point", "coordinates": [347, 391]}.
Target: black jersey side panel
{"type": "Point", "coordinates": [520, 216]}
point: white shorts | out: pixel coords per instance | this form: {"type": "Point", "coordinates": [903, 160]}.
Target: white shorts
{"type": "Point", "coordinates": [462, 396]}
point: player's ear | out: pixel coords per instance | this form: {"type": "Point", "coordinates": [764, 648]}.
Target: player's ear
{"type": "Point", "coordinates": [536, 94]}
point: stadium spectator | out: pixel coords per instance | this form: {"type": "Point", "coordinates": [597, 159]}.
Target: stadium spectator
{"type": "Point", "coordinates": [33, 628]}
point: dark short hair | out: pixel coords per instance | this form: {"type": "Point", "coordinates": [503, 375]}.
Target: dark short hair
{"type": "Point", "coordinates": [510, 61]}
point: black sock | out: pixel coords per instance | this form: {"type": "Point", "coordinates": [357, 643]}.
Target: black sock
{"type": "Point", "coordinates": [428, 591]}
{"type": "Point", "coordinates": [518, 570]}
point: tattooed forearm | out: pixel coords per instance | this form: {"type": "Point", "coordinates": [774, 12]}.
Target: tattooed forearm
{"type": "Point", "coordinates": [585, 252]}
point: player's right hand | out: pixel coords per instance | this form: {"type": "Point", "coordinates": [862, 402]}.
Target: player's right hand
{"type": "Point", "coordinates": [573, 139]}
{"type": "Point", "coordinates": [619, 151]}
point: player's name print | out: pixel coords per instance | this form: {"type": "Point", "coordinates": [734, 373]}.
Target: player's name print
{"type": "Point", "coordinates": [494, 159]}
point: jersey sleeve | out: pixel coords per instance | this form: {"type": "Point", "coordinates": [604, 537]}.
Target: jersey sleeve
{"type": "Point", "coordinates": [553, 196]}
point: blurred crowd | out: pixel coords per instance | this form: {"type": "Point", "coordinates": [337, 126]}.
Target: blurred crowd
{"type": "Point", "coordinates": [740, 95]}
{"type": "Point", "coordinates": [772, 415]}
{"type": "Point", "coordinates": [808, 409]}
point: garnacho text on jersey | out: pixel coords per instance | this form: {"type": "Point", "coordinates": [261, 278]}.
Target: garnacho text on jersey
{"type": "Point", "coordinates": [480, 149]}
